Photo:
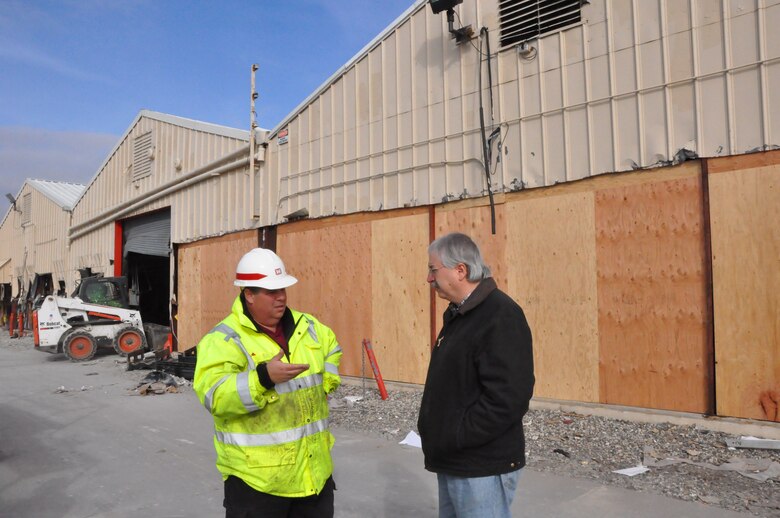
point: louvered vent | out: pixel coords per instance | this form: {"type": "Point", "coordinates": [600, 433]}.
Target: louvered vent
{"type": "Point", "coordinates": [142, 156]}
{"type": "Point", "coordinates": [26, 208]}
{"type": "Point", "coordinates": [523, 20]}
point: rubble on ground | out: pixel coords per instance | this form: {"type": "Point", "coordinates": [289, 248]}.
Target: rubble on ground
{"type": "Point", "coordinates": [684, 462]}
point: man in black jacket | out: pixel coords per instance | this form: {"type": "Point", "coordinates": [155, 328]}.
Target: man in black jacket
{"type": "Point", "coordinates": [480, 381]}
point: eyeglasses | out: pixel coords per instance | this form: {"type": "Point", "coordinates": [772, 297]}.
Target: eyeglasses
{"type": "Point", "coordinates": [432, 270]}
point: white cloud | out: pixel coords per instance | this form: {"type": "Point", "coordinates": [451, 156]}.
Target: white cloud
{"type": "Point", "coordinates": [49, 155]}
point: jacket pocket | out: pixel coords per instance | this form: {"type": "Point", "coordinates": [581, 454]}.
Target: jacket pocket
{"type": "Point", "coordinates": [270, 456]}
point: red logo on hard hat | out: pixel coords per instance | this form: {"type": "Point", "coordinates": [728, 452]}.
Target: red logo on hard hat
{"type": "Point", "coordinates": [249, 276]}
{"type": "Point", "coordinates": [278, 271]}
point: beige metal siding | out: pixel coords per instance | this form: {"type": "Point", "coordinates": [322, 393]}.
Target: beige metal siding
{"type": "Point", "coordinates": [36, 246]}
{"type": "Point", "coordinates": [629, 87]}
{"type": "Point", "coordinates": [217, 205]}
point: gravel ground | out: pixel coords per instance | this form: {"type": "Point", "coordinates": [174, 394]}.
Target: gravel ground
{"type": "Point", "coordinates": [592, 447]}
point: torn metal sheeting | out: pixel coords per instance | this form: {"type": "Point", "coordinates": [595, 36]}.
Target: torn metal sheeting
{"type": "Point", "coordinates": [754, 443]}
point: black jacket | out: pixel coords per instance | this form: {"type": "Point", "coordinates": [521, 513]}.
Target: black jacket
{"type": "Point", "coordinates": [480, 380]}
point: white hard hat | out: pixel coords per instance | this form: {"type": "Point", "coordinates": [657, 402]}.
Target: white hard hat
{"type": "Point", "coordinates": [264, 269]}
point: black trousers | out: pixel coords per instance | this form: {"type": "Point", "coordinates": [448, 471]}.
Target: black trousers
{"type": "Point", "coordinates": [243, 501]}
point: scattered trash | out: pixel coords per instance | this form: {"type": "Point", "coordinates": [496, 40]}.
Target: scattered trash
{"type": "Point", "coordinates": [351, 400]}
{"type": "Point", "coordinates": [566, 420]}
{"type": "Point", "coordinates": [62, 389]}
{"type": "Point", "coordinates": [631, 472]}
{"type": "Point", "coordinates": [91, 374]}
{"type": "Point", "coordinates": [158, 382]}
{"type": "Point", "coordinates": [757, 469]}
{"type": "Point", "coordinates": [753, 442]}
{"type": "Point", "coordinates": [562, 452]}
{"type": "Point", "coordinates": [412, 439]}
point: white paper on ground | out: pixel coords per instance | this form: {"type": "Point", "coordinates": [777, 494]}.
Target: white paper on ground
{"type": "Point", "coordinates": [412, 439]}
{"type": "Point", "coordinates": [630, 472]}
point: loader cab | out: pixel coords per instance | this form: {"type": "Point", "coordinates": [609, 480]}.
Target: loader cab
{"type": "Point", "coordinates": [106, 291]}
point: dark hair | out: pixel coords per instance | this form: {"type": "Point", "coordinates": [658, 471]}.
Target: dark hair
{"type": "Point", "coordinates": [455, 248]}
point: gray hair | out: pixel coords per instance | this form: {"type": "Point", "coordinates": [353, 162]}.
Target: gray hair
{"type": "Point", "coordinates": [455, 248]}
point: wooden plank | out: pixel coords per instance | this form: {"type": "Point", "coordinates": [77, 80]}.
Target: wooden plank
{"type": "Point", "coordinates": [205, 275]}
{"type": "Point", "coordinates": [333, 267]}
{"type": "Point", "coordinates": [552, 260]}
{"type": "Point", "coordinates": [401, 313]}
{"type": "Point", "coordinates": [188, 297]}
{"type": "Point", "coordinates": [745, 215]}
{"type": "Point", "coordinates": [652, 295]}
{"type": "Point", "coordinates": [738, 162]}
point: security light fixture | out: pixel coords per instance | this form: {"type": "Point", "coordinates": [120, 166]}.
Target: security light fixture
{"type": "Point", "coordinates": [460, 35]}
{"type": "Point", "coordinates": [438, 6]}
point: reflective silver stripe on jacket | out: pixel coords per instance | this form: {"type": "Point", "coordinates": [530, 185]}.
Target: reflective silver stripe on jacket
{"type": "Point", "coordinates": [329, 367]}
{"type": "Point", "coordinates": [208, 400]}
{"type": "Point", "coordinates": [242, 386]}
{"type": "Point", "coordinates": [312, 380]}
{"type": "Point", "coordinates": [269, 439]}
{"type": "Point", "coordinates": [335, 350]}
{"type": "Point", "coordinates": [312, 332]}
{"type": "Point", "coordinates": [231, 334]}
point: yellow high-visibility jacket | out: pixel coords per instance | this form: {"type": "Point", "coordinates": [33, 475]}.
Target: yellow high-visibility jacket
{"type": "Point", "coordinates": [276, 440]}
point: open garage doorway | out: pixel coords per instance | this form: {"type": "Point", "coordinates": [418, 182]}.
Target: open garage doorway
{"type": "Point", "coordinates": [146, 248]}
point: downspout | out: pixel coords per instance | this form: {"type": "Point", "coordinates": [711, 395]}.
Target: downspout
{"type": "Point", "coordinates": [157, 193]}
{"type": "Point", "coordinates": [147, 196]}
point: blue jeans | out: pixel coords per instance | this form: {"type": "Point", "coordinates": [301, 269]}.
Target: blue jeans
{"type": "Point", "coordinates": [478, 497]}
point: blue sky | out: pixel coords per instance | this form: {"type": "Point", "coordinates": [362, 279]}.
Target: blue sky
{"type": "Point", "coordinates": [74, 73]}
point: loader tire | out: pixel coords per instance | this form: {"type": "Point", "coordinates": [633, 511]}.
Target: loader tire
{"type": "Point", "coordinates": [129, 340]}
{"type": "Point", "coordinates": [79, 346]}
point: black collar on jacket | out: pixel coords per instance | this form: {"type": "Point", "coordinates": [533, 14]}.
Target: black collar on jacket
{"type": "Point", "coordinates": [480, 293]}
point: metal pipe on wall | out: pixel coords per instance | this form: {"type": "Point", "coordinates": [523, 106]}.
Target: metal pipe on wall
{"type": "Point", "coordinates": [145, 197]}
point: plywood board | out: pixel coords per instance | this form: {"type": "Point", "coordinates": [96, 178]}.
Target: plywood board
{"type": "Point", "coordinates": [474, 221]}
{"type": "Point", "coordinates": [206, 271]}
{"type": "Point", "coordinates": [188, 297]}
{"type": "Point", "coordinates": [745, 215]}
{"type": "Point", "coordinates": [333, 267]}
{"type": "Point", "coordinates": [401, 297]}
{"type": "Point", "coordinates": [551, 269]}
{"type": "Point", "coordinates": [652, 299]}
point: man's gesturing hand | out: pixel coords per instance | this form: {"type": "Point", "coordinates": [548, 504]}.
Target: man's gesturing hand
{"type": "Point", "coordinates": [279, 372]}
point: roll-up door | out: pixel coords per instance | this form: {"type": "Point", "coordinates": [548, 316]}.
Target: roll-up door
{"type": "Point", "coordinates": [148, 235]}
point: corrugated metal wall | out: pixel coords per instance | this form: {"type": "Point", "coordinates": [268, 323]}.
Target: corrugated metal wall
{"type": "Point", "coordinates": [632, 85]}
{"type": "Point", "coordinates": [37, 246]}
{"type": "Point", "coordinates": [215, 206]}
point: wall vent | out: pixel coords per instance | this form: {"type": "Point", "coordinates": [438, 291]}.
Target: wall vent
{"type": "Point", "coordinates": [522, 20]}
{"type": "Point", "coordinates": [142, 156]}
{"type": "Point", "coordinates": [26, 208]}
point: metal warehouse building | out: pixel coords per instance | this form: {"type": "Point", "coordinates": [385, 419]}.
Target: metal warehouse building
{"type": "Point", "coordinates": [614, 158]}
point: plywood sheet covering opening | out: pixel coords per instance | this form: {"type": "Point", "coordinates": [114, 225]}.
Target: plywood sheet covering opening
{"type": "Point", "coordinates": [333, 267]}
{"type": "Point", "coordinates": [651, 295]}
{"type": "Point", "coordinates": [206, 270]}
{"type": "Point", "coordinates": [745, 214]}
{"type": "Point", "coordinates": [551, 266]}
{"type": "Point", "coordinates": [401, 297]}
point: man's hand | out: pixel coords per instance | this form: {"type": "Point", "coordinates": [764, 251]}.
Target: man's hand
{"type": "Point", "coordinates": [279, 372]}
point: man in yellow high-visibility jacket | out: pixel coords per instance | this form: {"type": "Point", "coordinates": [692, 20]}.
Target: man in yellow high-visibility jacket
{"type": "Point", "coordinates": [264, 373]}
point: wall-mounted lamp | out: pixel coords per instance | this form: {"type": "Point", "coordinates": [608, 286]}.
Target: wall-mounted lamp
{"type": "Point", "coordinates": [298, 214]}
{"type": "Point", "coordinates": [460, 35]}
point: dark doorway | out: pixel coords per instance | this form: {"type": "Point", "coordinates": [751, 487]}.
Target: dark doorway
{"type": "Point", "coordinates": [148, 277]}
{"type": "Point", "coordinates": [146, 264]}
